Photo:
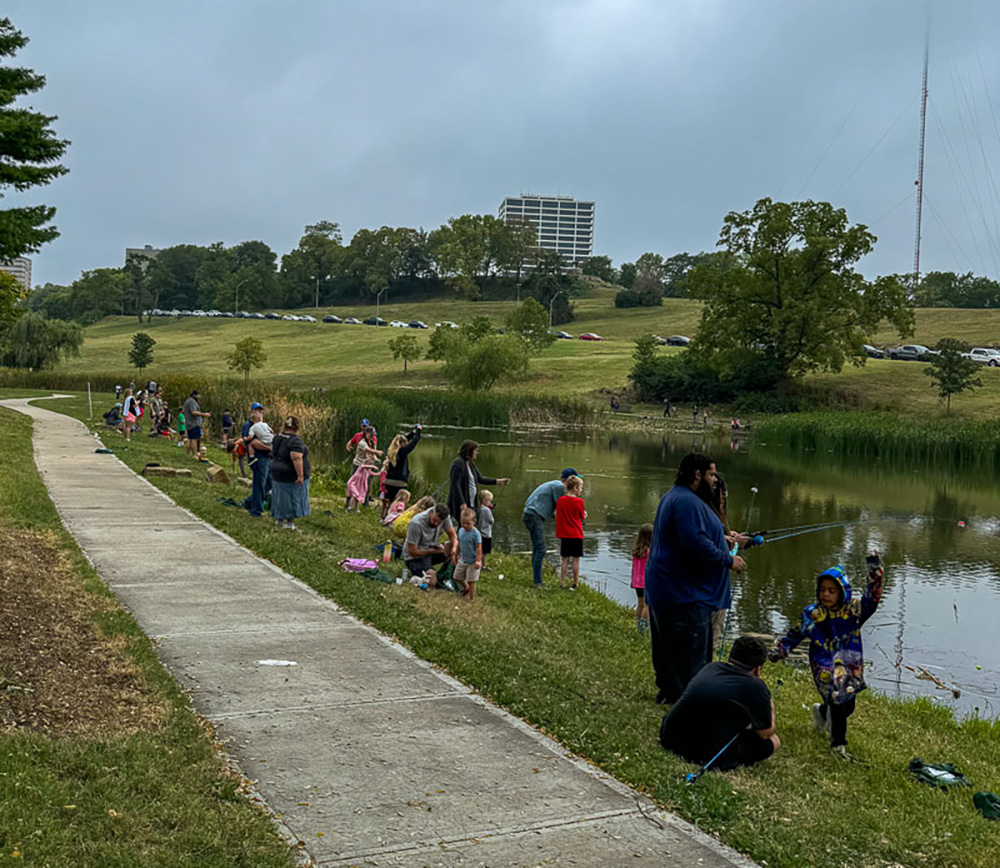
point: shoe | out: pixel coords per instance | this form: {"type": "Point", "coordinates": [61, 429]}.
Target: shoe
{"type": "Point", "coordinates": [643, 625]}
{"type": "Point", "coordinates": [820, 722]}
{"type": "Point", "coordinates": [538, 586]}
{"type": "Point", "coordinates": [574, 586]}
{"type": "Point", "coordinates": [661, 699]}
{"type": "Point", "coordinates": [290, 526]}
{"type": "Point", "coordinates": [840, 751]}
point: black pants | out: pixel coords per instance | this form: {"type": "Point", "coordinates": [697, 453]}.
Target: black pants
{"type": "Point", "coordinates": [837, 713]}
{"type": "Point", "coordinates": [681, 644]}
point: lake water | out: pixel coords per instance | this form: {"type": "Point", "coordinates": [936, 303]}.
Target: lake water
{"type": "Point", "coordinates": [942, 588]}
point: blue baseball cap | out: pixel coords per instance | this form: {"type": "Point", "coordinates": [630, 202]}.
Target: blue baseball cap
{"type": "Point", "coordinates": [568, 472]}
{"type": "Point", "coordinates": [256, 406]}
{"type": "Point", "coordinates": [365, 423]}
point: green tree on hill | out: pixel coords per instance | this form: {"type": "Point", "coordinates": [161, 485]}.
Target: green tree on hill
{"type": "Point", "coordinates": [246, 355]}
{"type": "Point", "coordinates": [29, 152]}
{"type": "Point", "coordinates": [600, 267]}
{"type": "Point", "coordinates": [476, 358]}
{"type": "Point", "coordinates": [790, 301]}
{"type": "Point", "coordinates": [405, 347]}
{"type": "Point", "coordinates": [530, 322]}
{"type": "Point", "coordinates": [953, 372]}
{"type": "Point", "coordinates": [38, 343]}
{"type": "Point", "coordinates": [141, 354]}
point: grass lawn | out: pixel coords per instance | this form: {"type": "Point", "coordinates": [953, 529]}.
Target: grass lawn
{"type": "Point", "coordinates": [305, 355]}
{"type": "Point", "coordinates": [573, 665]}
{"type": "Point", "coordinates": [102, 763]}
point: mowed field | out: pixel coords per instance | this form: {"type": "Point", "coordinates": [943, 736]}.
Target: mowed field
{"type": "Point", "coordinates": [331, 355]}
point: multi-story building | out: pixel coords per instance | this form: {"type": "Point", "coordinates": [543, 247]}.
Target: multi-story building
{"type": "Point", "coordinates": [144, 255]}
{"type": "Point", "coordinates": [561, 223]}
{"type": "Point", "coordinates": [20, 269]}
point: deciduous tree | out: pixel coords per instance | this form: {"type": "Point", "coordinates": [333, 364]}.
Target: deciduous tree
{"type": "Point", "coordinates": [246, 355]}
{"type": "Point", "coordinates": [791, 296]}
{"type": "Point", "coordinates": [530, 322]}
{"type": "Point", "coordinates": [38, 343]}
{"type": "Point", "coordinates": [953, 372]}
{"type": "Point", "coordinates": [405, 347]}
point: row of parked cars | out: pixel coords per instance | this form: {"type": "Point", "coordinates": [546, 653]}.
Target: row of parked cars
{"type": "Point", "coordinates": [919, 353]}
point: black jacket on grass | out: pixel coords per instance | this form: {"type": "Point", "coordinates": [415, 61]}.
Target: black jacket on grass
{"type": "Point", "coordinates": [459, 491]}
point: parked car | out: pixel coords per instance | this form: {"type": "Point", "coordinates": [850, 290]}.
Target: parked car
{"type": "Point", "coordinates": [272, 315]}
{"type": "Point", "coordinates": [307, 318]}
{"type": "Point", "coordinates": [984, 355]}
{"type": "Point", "coordinates": [564, 336]}
{"type": "Point", "coordinates": [678, 341]}
{"type": "Point", "coordinates": [397, 324]}
{"type": "Point", "coordinates": [352, 321]}
{"type": "Point", "coordinates": [447, 324]}
{"type": "Point", "coordinates": [911, 353]}
{"type": "Point", "coordinates": [184, 313]}
{"type": "Point", "coordinates": [290, 317]}
{"type": "Point", "coordinates": [375, 321]}
{"type": "Point", "coordinates": [872, 352]}
{"type": "Point", "coordinates": [229, 314]}
{"type": "Point", "coordinates": [591, 336]}
{"type": "Point", "coordinates": [417, 324]}
{"type": "Point", "coordinates": [332, 318]}
{"type": "Point", "coordinates": [256, 316]}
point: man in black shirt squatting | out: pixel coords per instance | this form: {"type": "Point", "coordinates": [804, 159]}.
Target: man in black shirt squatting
{"type": "Point", "coordinates": [722, 702]}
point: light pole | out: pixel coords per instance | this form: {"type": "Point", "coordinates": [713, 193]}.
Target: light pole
{"type": "Point", "coordinates": [561, 292]}
{"type": "Point", "coordinates": [316, 306]}
{"type": "Point", "coordinates": [377, 300]}
{"type": "Point", "coordinates": [239, 283]}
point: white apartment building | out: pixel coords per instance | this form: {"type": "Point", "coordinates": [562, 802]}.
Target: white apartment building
{"type": "Point", "coordinates": [561, 223]}
{"type": "Point", "coordinates": [20, 269]}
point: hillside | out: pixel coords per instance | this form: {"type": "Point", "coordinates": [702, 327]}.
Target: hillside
{"type": "Point", "coordinates": [320, 354]}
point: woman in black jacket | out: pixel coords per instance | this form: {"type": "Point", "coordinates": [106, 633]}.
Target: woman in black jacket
{"type": "Point", "coordinates": [465, 480]}
{"type": "Point", "coordinates": [397, 465]}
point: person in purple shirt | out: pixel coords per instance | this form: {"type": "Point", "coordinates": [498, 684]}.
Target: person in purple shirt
{"type": "Point", "coordinates": [687, 577]}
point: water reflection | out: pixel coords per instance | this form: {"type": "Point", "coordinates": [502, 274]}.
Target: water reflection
{"type": "Point", "coordinates": [942, 580]}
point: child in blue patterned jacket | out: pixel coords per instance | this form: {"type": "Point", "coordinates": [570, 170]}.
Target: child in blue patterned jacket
{"type": "Point", "coordinates": [833, 627]}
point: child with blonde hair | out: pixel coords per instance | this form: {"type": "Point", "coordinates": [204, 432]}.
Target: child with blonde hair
{"type": "Point", "coordinates": [470, 548]}
{"type": "Point", "coordinates": [570, 515]}
{"type": "Point", "coordinates": [484, 522]}
{"type": "Point", "coordinates": [397, 507]}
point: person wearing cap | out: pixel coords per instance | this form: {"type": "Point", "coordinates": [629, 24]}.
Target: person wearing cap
{"type": "Point", "coordinates": [258, 440]}
{"type": "Point", "coordinates": [539, 506]}
{"type": "Point", "coordinates": [357, 438]}
{"type": "Point", "coordinates": [192, 419]}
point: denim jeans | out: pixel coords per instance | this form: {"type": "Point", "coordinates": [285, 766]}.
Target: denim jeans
{"type": "Point", "coordinates": [261, 469]}
{"type": "Point", "coordinates": [536, 531]}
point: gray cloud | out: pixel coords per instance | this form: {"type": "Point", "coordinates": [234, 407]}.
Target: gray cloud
{"type": "Point", "coordinates": [239, 119]}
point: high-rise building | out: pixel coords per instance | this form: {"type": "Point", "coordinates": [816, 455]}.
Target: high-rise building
{"type": "Point", "coordinates": [561, 223]}
{"type": "Point", "coordinates": [144, 255]}
{"type": "Point", "coordinates": [20, 269]}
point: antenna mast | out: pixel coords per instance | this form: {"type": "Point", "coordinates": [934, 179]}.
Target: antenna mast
{"type": "Point", "coordinates": [920, 169]}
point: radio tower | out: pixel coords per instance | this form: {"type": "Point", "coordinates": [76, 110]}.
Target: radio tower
{"type": "Point", "coordinates": [920, 170]}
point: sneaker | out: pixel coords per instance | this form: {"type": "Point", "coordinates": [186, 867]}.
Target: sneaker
{"type": "Point", "coordinates": [643, 625]}
{"type": "Point", "coordinates": [840, 751]}
{"type": "Point", "coordinates": [538, 586]}
{"type": "Point", "coordinates": [290, 526]}
{"type": "Point", "coordinates": [574, 586]}
{"type": "Point", "coordinates": [819, 721]}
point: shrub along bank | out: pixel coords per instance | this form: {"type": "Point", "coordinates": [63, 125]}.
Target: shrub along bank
{"type": "Point", "coordinates": [573, 665]}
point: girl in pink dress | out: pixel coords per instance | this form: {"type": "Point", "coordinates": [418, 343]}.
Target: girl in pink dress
{"type": "Point", "coordinates": [640, 554]}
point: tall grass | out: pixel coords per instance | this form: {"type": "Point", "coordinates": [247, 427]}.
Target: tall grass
{"type": "Point", "coordinates": [887, 436]}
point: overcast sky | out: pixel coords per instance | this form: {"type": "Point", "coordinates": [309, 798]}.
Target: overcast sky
{"type": "Point", "coordinates": [243, 119]}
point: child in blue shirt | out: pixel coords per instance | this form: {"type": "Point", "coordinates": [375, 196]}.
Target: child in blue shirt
{"type": "Point", "coordinates": [470, 548]}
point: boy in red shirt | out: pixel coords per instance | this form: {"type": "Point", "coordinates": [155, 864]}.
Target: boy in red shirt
{"type": "Point", "coordinates": [570, 516]}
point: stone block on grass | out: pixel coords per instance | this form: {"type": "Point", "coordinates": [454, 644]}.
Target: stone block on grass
{"type": "Point", "coordinates": [214, 473]}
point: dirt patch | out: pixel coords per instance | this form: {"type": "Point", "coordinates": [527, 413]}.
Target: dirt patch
{"type": "Point", "coordinates": [57, 674]}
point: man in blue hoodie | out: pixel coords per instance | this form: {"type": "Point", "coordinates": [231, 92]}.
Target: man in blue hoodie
{"type": "Point", "coordinates": [687, 577]}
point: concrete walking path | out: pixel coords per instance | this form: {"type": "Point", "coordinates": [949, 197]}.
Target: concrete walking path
{"type": "Point", "coordinates": [369, 755]}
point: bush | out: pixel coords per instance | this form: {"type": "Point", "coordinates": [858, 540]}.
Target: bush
{"type": "Point", "coordinates": [637, 298]}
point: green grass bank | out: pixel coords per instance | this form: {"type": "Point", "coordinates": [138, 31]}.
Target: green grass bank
{"type": "Point", "coordinates": [87, 778]}
{"type": "Point", "coordinates": [573, 665]}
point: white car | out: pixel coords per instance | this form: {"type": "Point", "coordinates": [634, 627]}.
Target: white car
{"type": "Point", "coordinates": [447, 324]}
{"type": "Point", "coordinates": [984, 356]}
{"type": "Point", "coordinates": [307, 318]}
{"type": "Point", "coordinates": [290, 317]}
{"type": "Point", "coordinates": [397, 324]}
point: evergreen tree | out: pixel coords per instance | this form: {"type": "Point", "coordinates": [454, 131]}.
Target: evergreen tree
{"type": "Point", "coordinates": [29, 152]}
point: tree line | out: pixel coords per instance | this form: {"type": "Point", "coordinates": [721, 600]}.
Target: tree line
{"type": "Point", "coordinates": [472, 254]}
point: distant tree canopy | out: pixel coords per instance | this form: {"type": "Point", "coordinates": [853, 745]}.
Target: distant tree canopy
{"type": "Point", "coordinates": [38, 343]}
{"type": "Point", "coordinates": [947, 289]}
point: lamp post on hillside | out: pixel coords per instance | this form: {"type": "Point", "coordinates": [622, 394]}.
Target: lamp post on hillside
{"type": "Point", "coordinates": [561, 292]}
{"type": "Point", "coordinates": [239, 283]}
{"type": "Point", "coordinates": [378, 299]}
{"type": "Point", "coordinates": [317, 289]}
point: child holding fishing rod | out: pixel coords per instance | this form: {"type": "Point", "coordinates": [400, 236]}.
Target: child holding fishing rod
{"type": "Point", "coordinates": [833, 627]}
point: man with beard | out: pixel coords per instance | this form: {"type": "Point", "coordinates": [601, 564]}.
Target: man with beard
{"type": "Point", "coordinates": [686, 577]}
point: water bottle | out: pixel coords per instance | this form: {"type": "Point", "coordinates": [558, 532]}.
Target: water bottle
{"type": "Point", "coordinates": [406, 574]}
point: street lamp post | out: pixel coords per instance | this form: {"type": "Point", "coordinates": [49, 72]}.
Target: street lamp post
{"type": "Point", "coordinates": [378, 299]}
{"type": "Point", "coordinates": [561, 292]}
{"type": "Point", "coordinates": [316, 306]}
{"type": "Point", "coordinates": [239, 283]}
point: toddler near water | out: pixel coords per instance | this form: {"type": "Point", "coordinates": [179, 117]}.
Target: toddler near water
{"type": "Point", "coordinates": [470, 559]}
{"type": "Point", "coordinates": [484, 522]}
{"type": "Point", "coordinates": [833, 627]}
{"type": "Point", "coordinates": [640, 555]}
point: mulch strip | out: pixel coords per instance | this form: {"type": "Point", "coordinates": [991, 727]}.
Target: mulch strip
{"type": "Point", "coordinates": [58, 675]}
